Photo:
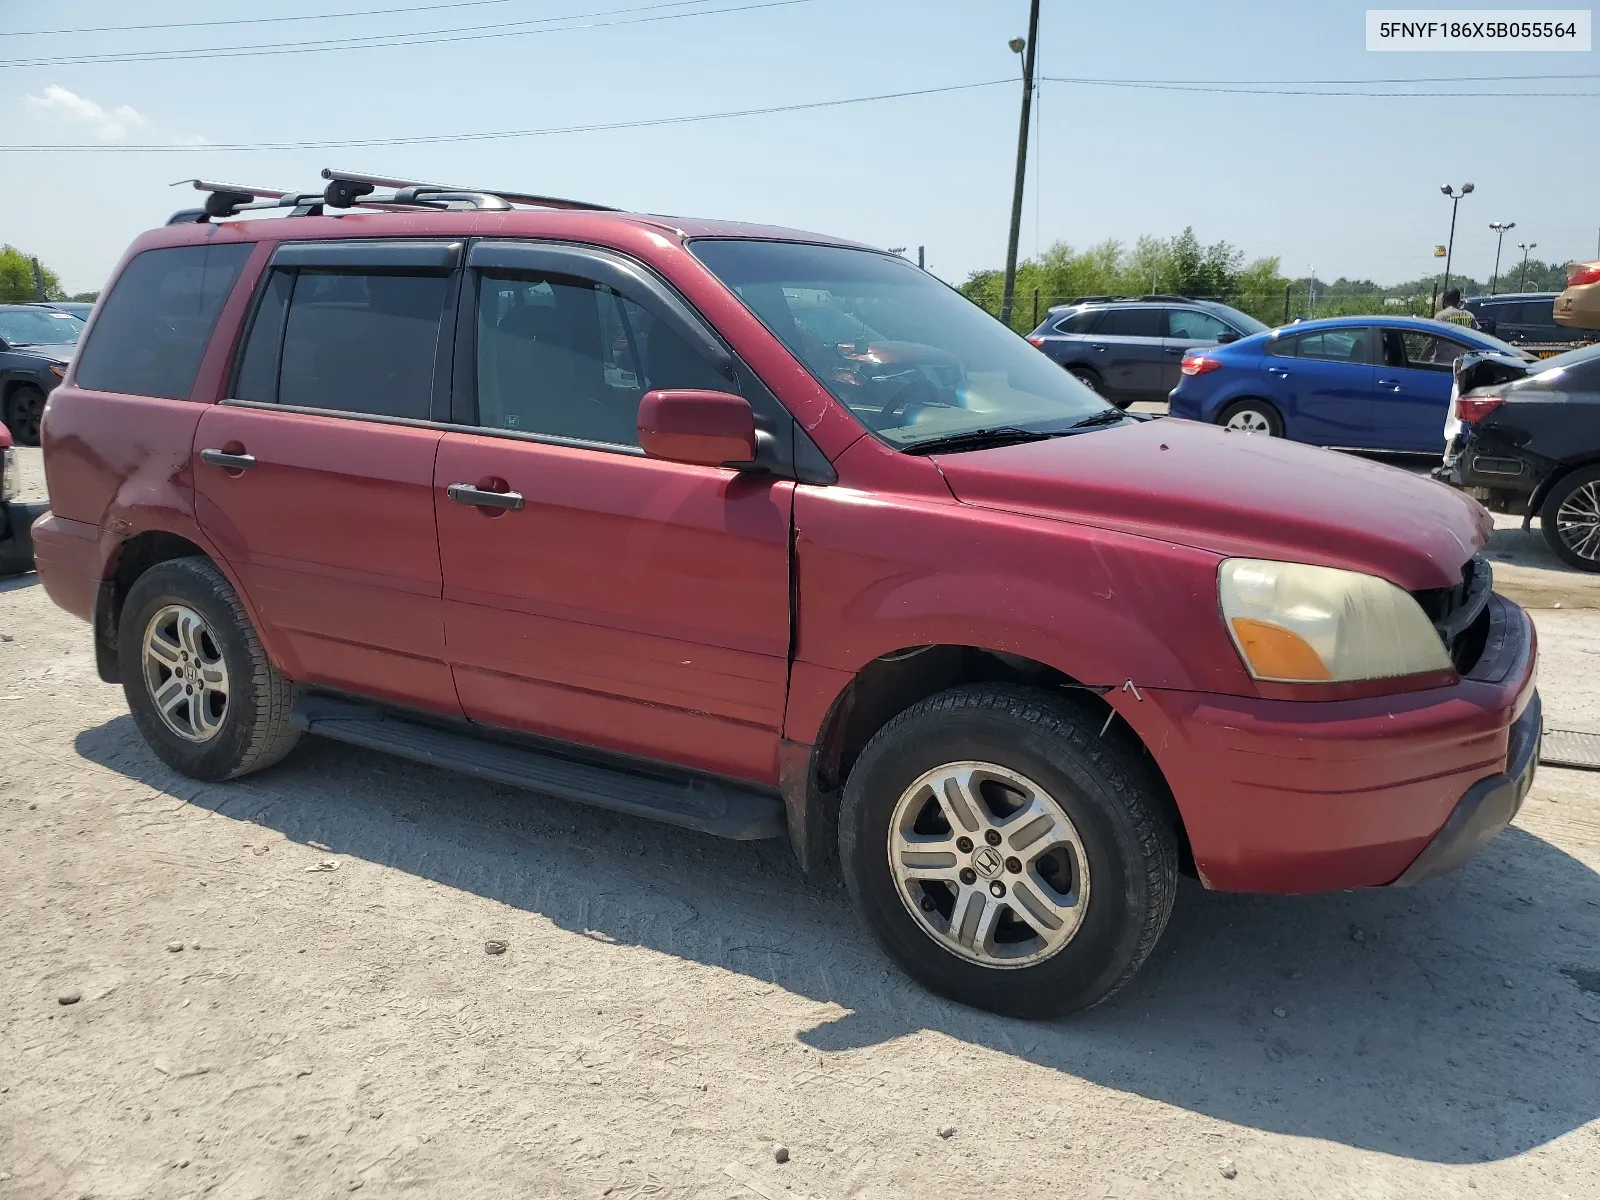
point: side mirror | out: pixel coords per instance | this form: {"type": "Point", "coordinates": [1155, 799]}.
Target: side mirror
{"type": "Point", "coordinates": [1226, 336]}
{"type": "Point", "coordinates": [710, 429]}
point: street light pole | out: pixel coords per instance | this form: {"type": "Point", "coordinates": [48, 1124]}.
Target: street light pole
{"type": "Point", "coordinates": [1026, 49]}
{"type": "Point", "coordinates": [1524, 247]}
{"type": "Point", "coordinates": [1500, 228]}
{"type": "Point", "coordinates": [1455, 199]}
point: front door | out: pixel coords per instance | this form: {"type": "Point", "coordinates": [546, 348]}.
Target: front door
{"type": "Point", "coordinates": [592, 594]}
{"type": "Point", "coordinates": [1412, 395]}
{"type": "Point", "coordinates": [315, 480]}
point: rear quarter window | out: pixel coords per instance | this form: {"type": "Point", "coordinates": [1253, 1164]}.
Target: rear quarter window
{"type": "Point", "coordinates": [153, 328]}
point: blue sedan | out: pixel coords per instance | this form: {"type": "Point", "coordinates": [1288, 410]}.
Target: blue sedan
{"type": "Point", "coordinates": [1371, 383]}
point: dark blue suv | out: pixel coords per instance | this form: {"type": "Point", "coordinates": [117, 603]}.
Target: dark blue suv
{"type": "Point", "coordinates": [1130, 350]}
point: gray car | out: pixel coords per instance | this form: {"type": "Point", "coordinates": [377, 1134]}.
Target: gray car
{"type": "Point", "coordinates": [1130, 350]}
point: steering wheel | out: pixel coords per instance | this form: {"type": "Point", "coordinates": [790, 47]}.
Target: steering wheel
{"type": "Point", "coordinates": [919, 391]}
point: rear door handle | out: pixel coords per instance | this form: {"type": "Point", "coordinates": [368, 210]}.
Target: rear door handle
{"type": "Point", "coordinates": [232, 462]}
{"type": "Point", "coordinates": [1177, 349]}
{"type": "Point", "coordinates": [1278, 371]}
{"type": "Point", "coordinates": [476, 497]}
{"type": "Point", "coordinates": [1389, 383]}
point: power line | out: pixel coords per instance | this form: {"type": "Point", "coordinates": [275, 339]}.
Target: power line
{"type": "Point", "coordinates": [428, 139]}
{"type": "Point", "coordinates": [464, 33]}
{"type": "Point", "coordinates": [1336, 82]}
{"type": "Point", "coordinates": [369, 12]}
{"type": "Point", "coordinates": [1273, 91]}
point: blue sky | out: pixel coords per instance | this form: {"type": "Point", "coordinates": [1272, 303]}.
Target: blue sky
{"type": "Point", "coordinates": [1347, 185]}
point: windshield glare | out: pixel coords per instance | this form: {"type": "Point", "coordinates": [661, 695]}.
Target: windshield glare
{"type": "Point", "coordinates": [913, 359]}
{"type": "Point", "coordinates": [39, 327]}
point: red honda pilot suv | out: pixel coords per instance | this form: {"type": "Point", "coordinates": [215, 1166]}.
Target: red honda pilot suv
{"type": "Point", "coordinates": [595, 504]}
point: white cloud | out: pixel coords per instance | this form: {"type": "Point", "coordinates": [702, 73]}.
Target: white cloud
{"type": "Point", "coordinates": [108, 125]}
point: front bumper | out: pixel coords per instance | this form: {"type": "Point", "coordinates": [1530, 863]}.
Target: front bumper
{"type": "Point", "coordinates": [1292, 796]}
{"type": "Point", "coordinates": [16, 534]}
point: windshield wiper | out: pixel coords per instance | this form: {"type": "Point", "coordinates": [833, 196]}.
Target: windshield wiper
{"type": "Point", "coordinates": [1108, 417]}
{"type": "Point", "coordinates": [978, 439]}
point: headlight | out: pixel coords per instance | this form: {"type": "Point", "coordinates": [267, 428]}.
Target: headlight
{"type": "Point", "coordinates": [1294, 623]}
{"type": "Point", "coordinates": [8, 473]}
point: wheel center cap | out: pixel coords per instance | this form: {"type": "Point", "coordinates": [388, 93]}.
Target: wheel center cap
{"type": "Point", "coordinates": [988, 863]}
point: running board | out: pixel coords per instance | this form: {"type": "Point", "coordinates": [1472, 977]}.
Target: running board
{"type": "Point", "coordinates": [724, 809]}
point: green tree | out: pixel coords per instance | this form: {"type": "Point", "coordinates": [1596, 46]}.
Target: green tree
{"type": "Point", "coordinates": [17, 285]}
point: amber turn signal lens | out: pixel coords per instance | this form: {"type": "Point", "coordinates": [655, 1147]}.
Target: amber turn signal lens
{"type": "Point", "coordinates": [1277, 653]}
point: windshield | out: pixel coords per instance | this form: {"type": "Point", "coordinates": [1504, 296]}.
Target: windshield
{"type": "Point", "coordinates": [1244, 320]}
{"type": "Point", "coordinates": [914, 360]}
{"type": "Point", "coordinates": [39, 327]}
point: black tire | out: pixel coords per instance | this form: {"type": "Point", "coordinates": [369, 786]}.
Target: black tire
{"type": "Point", "coordinates": [1104, 789]}
{"type": "Point", "coordinates": [24, 411]}
{"type": "Point", "coordinates": [254, 729]}
{"type": "Point", "coordinates": [1260, 407]}
{"type": "Point", "coordinates": [1580, 493]}
{"type": "Point", "coordinates": [1091, 380]}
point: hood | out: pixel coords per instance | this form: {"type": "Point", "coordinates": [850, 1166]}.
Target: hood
{"type": "Point", "coordinates": [1234, 494]}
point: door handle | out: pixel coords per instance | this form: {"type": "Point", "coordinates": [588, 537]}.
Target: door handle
{"type": "Point", "coordinates": [1278, 371]}
{"type": "Point", "coordinates": [476, 497]}
{"type": "Point", "coordinates": [231, 462]}
{"type": "Point", "coordinates": [1098, 349]}
{"type": "Point", "coordinates": [1177, 350]}
{"type": "Point", "coordinates": [1389, 383]}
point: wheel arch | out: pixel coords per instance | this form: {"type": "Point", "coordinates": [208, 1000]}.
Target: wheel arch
{"type": "Point", "coordinates": [812, 776]}
{"type": "Point", "coordinates": [1547, 485]}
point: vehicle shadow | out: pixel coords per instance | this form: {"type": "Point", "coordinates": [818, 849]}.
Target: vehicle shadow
{"type": "Point", "coordinates": [17, 583]}
{"type": "Point", "coordinates": [1434, 1024]}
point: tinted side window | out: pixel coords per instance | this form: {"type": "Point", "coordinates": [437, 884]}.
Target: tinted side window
{"type": "Point", "coordinates": [1189, 323]}
{"type": "Point", "coordinates": [1078, 322]}
{"type": "Point", "coordinates": [1283, 347]}
{"type": "Point", "coordinates": [1130, 322]}
{"type": "Point", "coordinates": [359, 343]}
{"type": "Point", "coordinates": [1429, 352]}
{"type": "Point", "coordinates": [1335, 345]}
{"type": "Point", "coordinates": [567, 357]}
{"type": "Point", "coordinates": [154, 326]}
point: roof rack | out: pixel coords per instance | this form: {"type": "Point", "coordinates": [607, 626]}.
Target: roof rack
{"type": "Point", "coordinates": [346, 189]}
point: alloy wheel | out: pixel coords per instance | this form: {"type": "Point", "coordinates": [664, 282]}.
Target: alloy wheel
{"type": "Point", "coordinates": [1578, 521]}
{"type": "Point", "coordinates": [1249, 420]}
{"type": "Point", "coordinates": [989, 864]}
{"type": "Point", "coordinates": [185, 672]}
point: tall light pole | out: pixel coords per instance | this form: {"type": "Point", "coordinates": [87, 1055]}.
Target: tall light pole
{"type": "Point", "coordinates": [1524, 247]}
{"type": "Point", "coordinates": [1500, 228]}
{"type": "Point", "coordinates": [1026, 49]}
{"type": "Point", "coordinates": [1450, 246]}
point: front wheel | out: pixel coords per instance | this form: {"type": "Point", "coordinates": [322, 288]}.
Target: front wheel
{"type": "Point", "coordinates": [1570, 519]}
{"type": "Point", "coordinates": [1252, 416]}
{"type": "Point", "coordinates": [1004, 854]}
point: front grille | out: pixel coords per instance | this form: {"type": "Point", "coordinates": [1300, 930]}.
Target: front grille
{"type": "Point", "coordinates": [1461, 612]}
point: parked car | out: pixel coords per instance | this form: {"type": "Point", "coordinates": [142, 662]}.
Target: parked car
{"type": "Point", "coordinates": [16, 516]}
{"type": "Point", "coordinates": [1529, 443]}
{"type": "Point", "coordinates": [35, 347]}
{"type": "Point", "coordinates": [1523, 317]}
{"type": "Point", "coordinates": [76, 308]}
{"type": "Point", "coordinates": [1373, 383]}
{"type": "Point", "coordinates": [1578, 307]}
{"type": "Point", "coordinates": [1129, 350]}
{"type": "Point", "coordinates": [1020, 658]}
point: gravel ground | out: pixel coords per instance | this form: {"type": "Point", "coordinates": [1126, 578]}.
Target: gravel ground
{"type": "Point", "coordinates": [284, 991]}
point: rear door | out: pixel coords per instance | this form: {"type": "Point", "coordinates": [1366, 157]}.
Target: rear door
{"type": "Point", "coordinates": [1187, 329]}
{"type": "Point", "coordinates": [1411, 396]}
{"type": "Point", "coordinates": [1326, 386]}
{"type": "Point", "coordinates": [315, 478]}
{"type": "Point", "coordinates": [1126, 350]}
{"type": "Point", "coordinates": [609, 599]}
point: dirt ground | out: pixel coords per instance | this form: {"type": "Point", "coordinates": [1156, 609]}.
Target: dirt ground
{"type": "Point", "coordinates": [669, 1006]}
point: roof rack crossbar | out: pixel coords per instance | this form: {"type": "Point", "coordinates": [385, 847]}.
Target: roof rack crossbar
{"type": "Point", "coordinates": [352, 177]}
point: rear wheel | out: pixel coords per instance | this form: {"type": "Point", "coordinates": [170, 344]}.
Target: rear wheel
{"type": "Point", "coordinates": [198, 682]}
{"type": "Point", "coordinates": [1004, 855]}
{"type": "Point", "coordinates": [1570, 519]}
{"type": "Point", "coordinates": [1252, 416]}
{"type": "Point", "coordinates": [1091, 380]}
{"type": "Point", "coordinates": [24, 411]}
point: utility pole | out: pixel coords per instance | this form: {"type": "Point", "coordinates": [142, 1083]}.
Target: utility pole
{"type": "Point", "coordinates": [922, 262]}
{"type": "Point", "coordinates": [1524, 247]}
{"type": "Point", "coordinates": [1450, 246]}
{"type": "Point", "coordinates": [1026, 49]}
{"type": "Point", "coordinates": [38, 282]}
{"type": "Point", "coordinates": [1500, 228]}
